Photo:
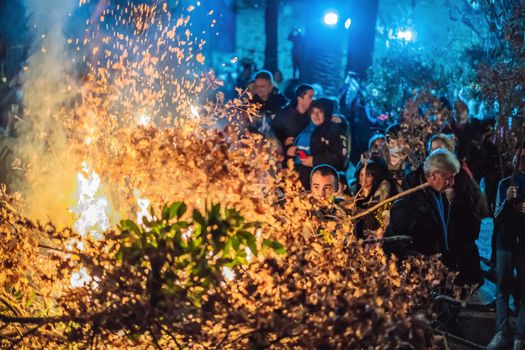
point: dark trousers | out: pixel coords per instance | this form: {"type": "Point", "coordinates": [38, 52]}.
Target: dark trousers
{"type": "Point", "coordinates": [468, 264]}
{"type": "Point", "coordinates": [504, 272]}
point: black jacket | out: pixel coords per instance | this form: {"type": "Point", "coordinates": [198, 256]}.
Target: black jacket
{"type": "Point", "coordinates": [510, 223]}
{"type": "Point", "coordinates": [417, 215]}
{"type": "Point", "coordinates": [328, 145]}
{"type": "Point", "coordinates": [469, 139]}
{"type": "Point", "coordinates": [276, 101]}
{"type": "Point", "coordinates": [289, 123]}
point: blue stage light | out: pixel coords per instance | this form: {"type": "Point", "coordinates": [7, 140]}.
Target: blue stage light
{"type": "Point", "coordinates": [406, 35]}
{"type": "Point", "coordinates": [331, 18]}
{"type": "Point", "coordinates": [348, 22]}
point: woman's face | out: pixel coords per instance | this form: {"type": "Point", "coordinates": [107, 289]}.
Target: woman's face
{"type": "Point", "coordinates": [317, 116]}
{"type": "Point", "coordinates": [365, 179]}
{"type": "Point", "coordinates": [437, 144]}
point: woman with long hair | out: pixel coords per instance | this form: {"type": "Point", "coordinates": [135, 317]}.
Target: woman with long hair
{"type": "Point", "coordinates": [372, 187]}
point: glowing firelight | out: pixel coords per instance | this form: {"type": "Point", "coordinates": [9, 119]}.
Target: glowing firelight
{"type": "Point", "coordinates": [143, 120]}
{"type": "Point", "coordinates": [194, 111]}
{"type": "Point", "coordinates": [92, 209]}
{"type": "Point", "coordinates": [92, 215]}
{"type": "Point", "coordinates": [228, 274]}
{"type": "Point", "coordinates": [80, 278]}
{"type": "Point", "coordinates": [143, 204]}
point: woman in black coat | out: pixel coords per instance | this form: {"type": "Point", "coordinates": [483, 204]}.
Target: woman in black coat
{"type": "Point", "coordinates": [467, 209]}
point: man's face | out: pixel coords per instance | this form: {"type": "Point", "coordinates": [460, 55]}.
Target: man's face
{"type": "Point", "coordinates": [263, 88]}
{"type": "Point", "coordinates": [317, 116]}
{"type": "Point", "coordinates": [305, 101]}
{"type": "Point", "coordinates": [441, 180]}
{"type": "Point", "coordinates": [323, 187]}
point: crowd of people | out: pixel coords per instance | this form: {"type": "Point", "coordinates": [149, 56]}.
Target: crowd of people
{"type": "Point", "coordinates": [442, 214]}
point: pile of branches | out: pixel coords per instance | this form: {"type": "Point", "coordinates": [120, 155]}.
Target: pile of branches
{"type": "Point", "coordinates": [162, 283]}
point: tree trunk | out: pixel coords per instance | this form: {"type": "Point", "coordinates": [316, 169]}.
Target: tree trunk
{"type": "Point", "coordinates": [362, 36]}
{"type": "Point", "coordinates": [271, 16]}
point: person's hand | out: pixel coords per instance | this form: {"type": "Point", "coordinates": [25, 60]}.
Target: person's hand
{"type": "Point", "coordinates": [449, 192]}
{"type": "Point", "coordinates": [512, 192]}
{"type": "Point", "coordinates": [288, 141]}
{"type": "Point", "coordinates": [308, 161]}
{"type": "Point", "coordinates": [521, 207]}
{"type": "Point", "coordinates": [292, 151]}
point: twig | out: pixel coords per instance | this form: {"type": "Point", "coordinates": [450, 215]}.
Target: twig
{"type": "Point", "coordinates": [38, 320]}
{"type": "Point", "coordinates": [155, 341]}
{"type": "Point", "coordinates": [241, 336]}
{"type": "Point", "coordinates": [461, 340]}
{"type": "Point", "coordinates": [388, 200]}
{"type": "Point", "coordinates": [382, 240]}
{"type": "Point", "coordinates": [4, 299]}
{"type": "Point", "coordinates": [172, 336]}
{"type": "Point", "coordinates": [31, 331]}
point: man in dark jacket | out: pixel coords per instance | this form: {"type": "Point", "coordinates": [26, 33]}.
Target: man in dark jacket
{"type": "Point", "coordinates": [423, 215]}
{"type": "Point", "coordinates": [270, 101]}
{"type": "Point", "coordinates": [292, 119]}
{"type": "Point", "coordinates": [509, 216]}
{"type": "Point", "coordinates": [266, 94]}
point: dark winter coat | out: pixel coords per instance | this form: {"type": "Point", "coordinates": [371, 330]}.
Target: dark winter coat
{"type": "Point", "coordinates": [417, 215]}
{"type": "Point", "coordinates": [510, 223]}
{"type": "Point", "coordinates": [469, 145]}
{"type": "Point", "coordinates": [276, 101]}
{"type": "Point", "coordinates": [289, 123]}
{"type": "Point", "coordinates": [327, 146]}
{"type": "Point", "coordinates": [464, 227]}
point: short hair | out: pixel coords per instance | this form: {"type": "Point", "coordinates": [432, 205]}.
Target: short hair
{"type": "Point", "coordinates": [374, 139]}
{"type": "Point", "coordinates": [326, 170]}
{"type": "Point", "coordinates": [325, 105]}
{"type": "Point", "coordinates": [441, 160]}
{"type": "Point", "coordinates": [302, 89]}
{"type": "Point", "coordinates": [447, 139]}
{"type": "Point", "coordinates": [461, 106]}
{"type": "Point", "coordinates": [264, 74]}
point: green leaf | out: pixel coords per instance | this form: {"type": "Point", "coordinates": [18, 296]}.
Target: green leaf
{"type": "Point", "coordinates": [181, 210]}
{"type": "Point", "coordinates": [249, 240]}
{"type": "Point", "coordinates": [146, 222]}
{"type": "Point", "coordinates": [254, 224]}
{"type": "Point", "coordinates": [165, 213]}
{"type": "Point", "coordinates": [128, 225]}
{"type": "Point", "coordinates": [215, 211]}
{"type": "Point", "coordinates": [235, 242]}
{"type": "Point", "coordinates": [223, 261]}
{"type": "Point", "coordinates": [176, 209]}
{"type": "Point", "coordinates": [276, 246]}
{"type": "Point", "coordinates": [198, 218]}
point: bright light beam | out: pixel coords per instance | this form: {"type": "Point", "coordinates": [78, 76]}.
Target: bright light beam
{"type": "Point", "coordinates": [406, 35]}
{"type": "Point", "coordinates": [331, 18]}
